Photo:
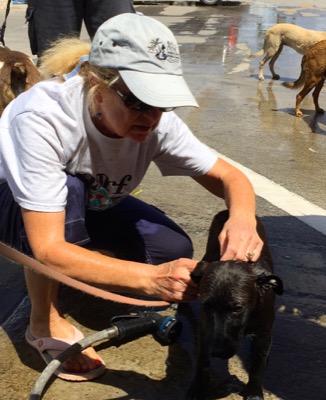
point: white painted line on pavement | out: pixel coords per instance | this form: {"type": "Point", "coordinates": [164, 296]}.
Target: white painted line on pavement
{"type": "Point", "coordinates": [282, 198]}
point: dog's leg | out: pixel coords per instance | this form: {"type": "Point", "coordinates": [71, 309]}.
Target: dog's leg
{"type": "Point", "coordinates": [199, 387]}
{"type": "Point", "coordinates": [273, 47]}
{"type": "Point", "coordinates": [259, 356]}
{"type": "Point", "coordinates": [272, 62]}
{"type": "Point", "coordinates": [300, 96]}
{"type": "Point", "coordinates": [261, 66]}
{"type": "Point", "coordinates": [315, 95]}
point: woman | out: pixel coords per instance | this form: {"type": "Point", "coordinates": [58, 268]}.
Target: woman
{"type": "Point", "coordinates": [95, 131]}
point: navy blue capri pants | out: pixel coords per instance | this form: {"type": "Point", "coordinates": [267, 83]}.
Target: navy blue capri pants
{"type": "Point", "coordinates": [133, 230]}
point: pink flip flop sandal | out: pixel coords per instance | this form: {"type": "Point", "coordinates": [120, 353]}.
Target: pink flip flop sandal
{"type": "Point", "coordinates": [49, 348]}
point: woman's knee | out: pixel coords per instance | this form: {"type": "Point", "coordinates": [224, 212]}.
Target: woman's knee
{"type": "Point", "coordinates": [165, 243]}
{"type": "Point", "coordinates": [75, 230]}
{"type": "Point", "coordinates": [177, 246]}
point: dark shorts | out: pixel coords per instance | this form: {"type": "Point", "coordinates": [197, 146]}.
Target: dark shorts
{"type": "Point", "coordinates": [48, 20]}
{"type": "Point", "coordinates": [133, 229]}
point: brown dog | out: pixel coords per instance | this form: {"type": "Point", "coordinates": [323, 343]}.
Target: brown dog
{"type": "Point", "coordinates": [17, 74]}
{"type": "Point", "coordinates": [279, 35]}
{"type": "Point", "coordinates": [313, 75]}
{"type": "Point", "coordinates": [236, 300]}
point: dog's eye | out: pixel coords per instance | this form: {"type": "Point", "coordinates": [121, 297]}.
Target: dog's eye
{"type": "Point", "coordinates": [237, 309]}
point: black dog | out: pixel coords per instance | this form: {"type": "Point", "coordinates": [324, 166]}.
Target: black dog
{"type": "Point", "coordinates": [237, 300]}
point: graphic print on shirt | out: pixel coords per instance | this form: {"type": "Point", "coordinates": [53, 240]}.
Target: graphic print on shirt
{"type": "Point", "coordinates": [104, 193]}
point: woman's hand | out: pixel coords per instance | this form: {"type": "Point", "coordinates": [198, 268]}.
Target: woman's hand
{"type": "Point", "coordinates": [171, 281]}
{"type": "Point", "coordinates": [239, 240]}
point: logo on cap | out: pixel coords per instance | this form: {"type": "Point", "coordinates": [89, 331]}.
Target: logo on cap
{"type": "Point", "coordinates": [163, 52]}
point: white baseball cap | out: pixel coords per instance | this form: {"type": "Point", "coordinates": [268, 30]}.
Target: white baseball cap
{"type": "Point", "coordinates": [146, 54]}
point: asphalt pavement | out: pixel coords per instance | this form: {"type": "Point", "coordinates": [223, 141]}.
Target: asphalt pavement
{"type": "Point", "coordinates": [251, 124]}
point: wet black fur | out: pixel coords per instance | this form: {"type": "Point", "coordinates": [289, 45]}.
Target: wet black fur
{"type": "Point", "coordinates": [237, 300]}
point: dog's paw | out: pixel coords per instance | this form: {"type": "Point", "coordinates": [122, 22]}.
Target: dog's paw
{"type": "Point", "coordinates": [276, 77]}
{"type": "Point", "coordinates": [252, 392]}
{"type": "Point", "coordinates": [254, 398]}
{"type": "Point", "coordinates": [299, 113]}
{"type": "Point", "coordinates": [194, 396]}
{"type": "Point", "coordinates": [320, 110]}
{"type": "Point", "coordinates": [194, 393]}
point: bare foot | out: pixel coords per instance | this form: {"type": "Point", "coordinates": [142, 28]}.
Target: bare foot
{"type": "Point", "coordinates": [85, 361]}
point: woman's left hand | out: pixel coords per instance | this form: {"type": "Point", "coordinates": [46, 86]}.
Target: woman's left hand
{"type": "Point", "coordinates": [239, 240]}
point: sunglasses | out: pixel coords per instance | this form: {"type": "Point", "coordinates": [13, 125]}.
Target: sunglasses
{"type": "Point", "coordinates": [131, 101]}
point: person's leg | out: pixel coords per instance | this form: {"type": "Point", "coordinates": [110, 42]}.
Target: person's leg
{"type": "Point", "coordinates": [42, 291]}
{"type": "Point", "coordinates": [48, 20]}
{"type": "Point", "coordinates": [134, 230]}
{"type": "Point", "coordinates": [46, 319]}
{"type": "Point", "coordinates": [98, 11]}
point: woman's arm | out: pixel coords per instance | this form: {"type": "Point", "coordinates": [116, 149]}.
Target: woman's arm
{"type": "Point", "coordinates": [170, 281]}
{"type": "Point", "coordinates": [239, 235]}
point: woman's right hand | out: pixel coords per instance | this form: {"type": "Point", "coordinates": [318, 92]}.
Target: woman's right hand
{"type": "Point", "coordinates": [171, 281]}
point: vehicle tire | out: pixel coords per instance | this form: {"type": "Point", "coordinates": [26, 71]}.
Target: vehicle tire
{"type": "Point", "coordinates": [210, 2]}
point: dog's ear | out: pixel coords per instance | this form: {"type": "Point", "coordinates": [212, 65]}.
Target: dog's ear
{"type": "Point", "coordinates": [197, 273]}
{"type": "Point", "coordinates": [267, 282]}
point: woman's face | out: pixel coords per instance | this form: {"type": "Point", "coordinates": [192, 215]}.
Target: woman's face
{"type": "Point", "coordinates": [117, 120]}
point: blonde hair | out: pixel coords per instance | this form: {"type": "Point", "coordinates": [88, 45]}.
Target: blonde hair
{"type": "Point", "coordinates": [63, 56]}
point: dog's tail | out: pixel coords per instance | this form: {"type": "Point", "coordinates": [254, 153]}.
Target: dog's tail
{"type": "Point", "coordinates": [298, 83]}
{"type": "Point", "coordinates": [263, 50]}
{"type": "Point", "coordinates": [27, 73]}
{"type": "Point", "coordinates": [259, 54]}
{"type": "Point", "coordinates": [15, 79]}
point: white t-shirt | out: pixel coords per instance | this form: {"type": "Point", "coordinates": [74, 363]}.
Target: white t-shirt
{"type": "Point", "coordinates": [47, 132]}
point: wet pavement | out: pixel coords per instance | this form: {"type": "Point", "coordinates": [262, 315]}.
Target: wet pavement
{"type": "Point", "coordinates": [250, 123]}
